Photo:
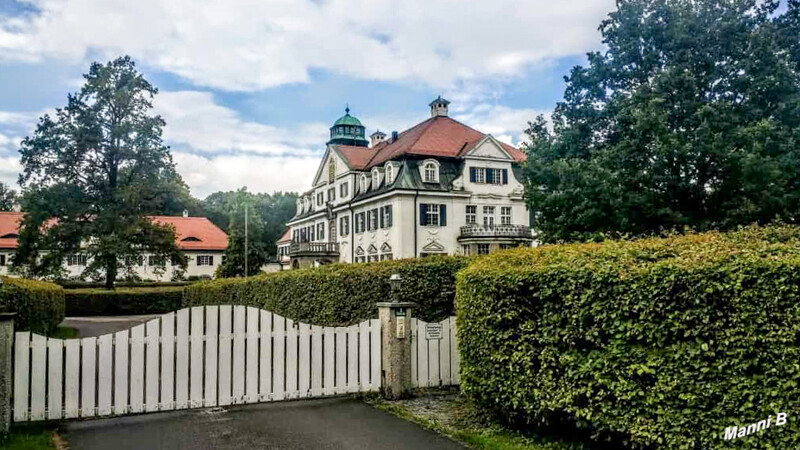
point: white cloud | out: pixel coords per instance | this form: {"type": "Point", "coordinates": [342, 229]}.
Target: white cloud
{"type": "Point", "coordinates": [209, 174]}
{"type": "Point", "coordinates": [255, 44]}
{"type": "Point", "coordinates": [504, 123]}
{"type": "Point", "coordinates": [195, 119]}
{"type": "Point", "coordinates": [9, 170]}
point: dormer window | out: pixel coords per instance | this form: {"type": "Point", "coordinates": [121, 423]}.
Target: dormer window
{"type": "Point", "coordinates": [389, 174]}
{"type": "Point", "coordinates": [363, 183]}
{"type": "Point", "coordinates": [376, 178]}
{"type": "Point", "coordinates": [430, 172]}
{"type": "Point", "coordinates": [190, 239]}
{"type": "Point", "coordinates": [10, 236]}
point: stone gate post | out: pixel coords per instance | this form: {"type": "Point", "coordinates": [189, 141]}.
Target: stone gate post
{"type": "Point", "coordinates": [6, 375]}
{"type": "Point", "coordinates": [395, 317]}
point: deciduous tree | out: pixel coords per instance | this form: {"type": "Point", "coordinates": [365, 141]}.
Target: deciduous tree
{"type": "Point", "coordinates": [690, 118]}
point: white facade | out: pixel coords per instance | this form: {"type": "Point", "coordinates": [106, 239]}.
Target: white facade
{"type": "Point", "coordinates": [455, 187]}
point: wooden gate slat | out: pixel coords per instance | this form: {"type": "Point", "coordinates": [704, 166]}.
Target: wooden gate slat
{"type": "Point", "coordinates": [121, 372]}
{"type": "Point", "coordinates": [55, 369]}
{"type": "Point", "coordinates": [363, 356]}
{"type": "Point", "coordinates": [225, 343]}
{"type": "Point", "coordinates": [196, 358]}
{"type": "Point", "coordinates": [278, 361]}
{"type": "Point", "coordinates": [71, 380]}
{"type": "Point", "coordinates": [251, 359]}
{"type": "Point", "coordinates": [104, 376]}
{"type": "Point", "coordinates": [340, 383]}
{"type": "Point", "coordinates": [422, 355]}
{"type": "Point", "coordinates": [329, 363]}
{"type": "Point", "coordinates": [375, 354]}
{"type": "Point", "coordinates": [152, 369]}
{"type": "Point", "coordinates": [182, 359]}
{"type": "Point", "coordinates": [414, 353]}
{"type": "Point", "coordinates": [167, 362]}
{"type": "Point", "coordinates": [212, 334]}
{"type": "Point", "coordinates": [352, 358]}
{"type": "Point", "coordinates": [38, 376]}
{"type": "Point", "coordinates": [239, 336]}
{"type": "Point", "coordinates": [434, 374]}
{"type": "Point", "coordinates": [291, 359]}
{"type": "Point", "coordinates": [265, 357]}
{"type": "Point", "coordinates": [455, 356]}
{"type": "Point", "coordinates": [304, 360]}
{"type": "Point", "coordinates": [444, 354]}
{"type": "Point", "coordinates": [88, 374]}
{"type": "Point", "coordinates": [22, 353]}
{"type": "Point", "coordinates": [137, 369]}
{"type": "Point", "coordinates": [316, 360]}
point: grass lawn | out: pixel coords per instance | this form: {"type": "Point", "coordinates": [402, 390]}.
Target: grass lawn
{"type": "Point", "coordinates": [65, 333]}
{"type": "Point", "coordinates": [34, 437]}
{"type": "Point", "coordinates": [451, 415]}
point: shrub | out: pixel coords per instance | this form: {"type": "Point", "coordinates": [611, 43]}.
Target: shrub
{"type": "Point", "coordinates": [77, 284]}
{"type": "Point", "coordinates": [657, 342]}
{"type": "Point", "coordinates": [339, 294]}
{"type": "Point", "coordinates": [39, 305]}
{"type": "Point", "coordinates": [123, 301]}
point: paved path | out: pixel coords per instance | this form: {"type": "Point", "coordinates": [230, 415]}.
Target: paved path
{"type": "Point", "coordinates": [339, 423]}
{"type": "Point", "coordinates": [100, 325]}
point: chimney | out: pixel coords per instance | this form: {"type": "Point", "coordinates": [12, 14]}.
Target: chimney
{"type": "Point", "coordinates": [394, 136]}
{"type": "Point", "coordinates": [377, 137]}
{"type": "Point", "coordinates": [439, 107]}
{"type": "Point", "coordinates": [185, 213]}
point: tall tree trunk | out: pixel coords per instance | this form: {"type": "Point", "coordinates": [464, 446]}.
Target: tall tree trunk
{"type": "Point", "coordinates": [111, 272]}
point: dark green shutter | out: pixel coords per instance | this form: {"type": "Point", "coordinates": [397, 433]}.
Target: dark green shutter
{"type": "Point", "coordinates": [489, 176]}
{"type": "Point", "coordinates": [389, 224]}
{"type": "Point", "coordinates": [443, 215]}
{"type": "Point", "coordinates": [505, 176]}
{"type": "Point", "coordinates": [380, 212]}
{"type": "Point", "coordinates": [423, 214]}
{"type": "Point", "coordinates": [210, 260]}
{"type": "Point", "coordinates": [473, 174]}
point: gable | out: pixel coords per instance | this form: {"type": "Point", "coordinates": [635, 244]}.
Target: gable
{"type": "Point", "coordinates": [322, 171]}
{"type": "Point", "coordinates": [489, 147]}
{"type": "Point", "coordinates": [433, 247]}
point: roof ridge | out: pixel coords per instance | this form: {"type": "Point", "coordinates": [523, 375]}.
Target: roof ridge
{"type": "Point", "coordinates": [427, 122]}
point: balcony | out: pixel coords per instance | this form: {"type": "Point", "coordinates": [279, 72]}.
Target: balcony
{"type": "Point", "coordinates": [313, 249]}
{"type": "Point", "coordinates": [500, 233]}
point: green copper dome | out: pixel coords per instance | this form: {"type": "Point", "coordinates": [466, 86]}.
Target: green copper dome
{"type": "Point", "coordinates": [348, 130]}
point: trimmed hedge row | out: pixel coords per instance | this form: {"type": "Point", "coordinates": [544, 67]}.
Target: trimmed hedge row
{"type": "Point", "coordinates": [339, 294]}
{"type": "Point", "coordinates": [39, 305]}
{"type": "Point", "coordinates": [73, 284]}
{"type": "Point", "coordinates": [123, 301]}
{"type": "Point", "coordinates": [652, 343]}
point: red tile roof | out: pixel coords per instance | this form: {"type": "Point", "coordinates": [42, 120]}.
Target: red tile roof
{"type": "Point", "coordinates": [437, 136]}
{"type": "Point", "coordinates": [287, 236]}
{"type": "Point", "coordinates": [9, 224]}
{"type": "Point", "coordinates": [187, 229]}
{"type": "Point", "coordinates": [208, 235]}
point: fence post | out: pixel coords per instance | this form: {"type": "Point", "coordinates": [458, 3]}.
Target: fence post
{"type": "Point", "coordinates": [395, 317]}
{"type": "Point", "coordinates": [6, 376]}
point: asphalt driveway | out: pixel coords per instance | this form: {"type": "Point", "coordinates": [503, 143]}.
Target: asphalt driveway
{"type": "Point", "coordinates": [100, 325]}
{"type": "Point", "coordinates": [337, 423]}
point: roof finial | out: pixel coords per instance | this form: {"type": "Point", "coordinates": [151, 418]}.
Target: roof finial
{"type": "Point", "coordinates": [347, 108]}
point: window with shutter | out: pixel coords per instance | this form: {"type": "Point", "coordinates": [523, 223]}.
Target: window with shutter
{"type": "Point", "coordinates": [423, 214]}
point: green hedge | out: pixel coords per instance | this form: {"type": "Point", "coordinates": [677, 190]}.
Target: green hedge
{"type": "Point", "coordinates": [73, 284]}
{"type": "Point", "coordinates": [123, 301]}
{"type": "Point", "coordinates": [339, 294]}
{"type": "Point", "coordinates": [658, 343]}
{"type": "Point", "coordinates": [39, 305]}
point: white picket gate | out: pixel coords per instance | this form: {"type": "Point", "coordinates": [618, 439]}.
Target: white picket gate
{"type": "Point", "coordinates": [435, 360]}
{"type": "Point", "coordinates": [195, 357]}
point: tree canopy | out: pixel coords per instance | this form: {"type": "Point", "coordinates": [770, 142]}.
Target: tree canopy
{"type": "Point", "coordinates": [689, 118]}
{"type": "Point", "coordinates": [92, 174]}
{"type": "Point", "coordinates": [233, 264]}
{"type": "Point", "coordinates": [8, 197]}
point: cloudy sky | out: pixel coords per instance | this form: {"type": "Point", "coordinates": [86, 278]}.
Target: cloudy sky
{"type": "Point", "coordinates": [248, 88]}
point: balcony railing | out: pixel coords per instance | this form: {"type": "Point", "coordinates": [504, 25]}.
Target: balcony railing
{"type": "Point", "coordinates": [496, 231]}
{"type": "Point", "coordinates": [314, 248]}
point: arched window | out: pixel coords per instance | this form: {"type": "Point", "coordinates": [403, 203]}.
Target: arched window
{"type": "Point", "coordinates": [331, 170]}
{"type": "Point", "coordinates": [430, 172]}
{"type": "Point", "coordinates": [376, 178]}
{"type": "Point", "coordinates": [363, 183]}
{"type": "Point", "coordinates": [389, 174]}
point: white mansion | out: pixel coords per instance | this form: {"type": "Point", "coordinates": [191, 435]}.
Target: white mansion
{"type": "Point", "coordinates": [439, 187]}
